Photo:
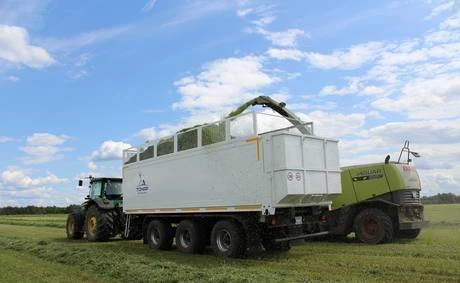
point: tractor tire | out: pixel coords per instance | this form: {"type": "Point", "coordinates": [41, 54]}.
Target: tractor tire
{"type": "Point", "coordinates": [409, 234]}
{"type": "Point", "coordinates": [373, 226]}
{"type": "Point", "coordinates": [190, 237]}
{"type": "Point", "coordinates": [99, 225]}
{"type": "Point", "coordinates": [74, 225]}
{"type": "Point", "coordinates": [160, 235]}
{"type": "Point", "coordinates": [228, 239]}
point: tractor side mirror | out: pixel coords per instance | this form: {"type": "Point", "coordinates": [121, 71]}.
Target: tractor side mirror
{"type": "Point", "coordinates": [80, 183]}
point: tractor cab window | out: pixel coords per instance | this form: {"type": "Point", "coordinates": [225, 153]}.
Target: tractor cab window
{"type": "Point", "coordinates": [95, 190]}
{"type": "Point", "coordinates": [112, 188]}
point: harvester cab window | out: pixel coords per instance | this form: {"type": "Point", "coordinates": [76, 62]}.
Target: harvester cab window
{"type": "Point", "coordinates": [95, 190]}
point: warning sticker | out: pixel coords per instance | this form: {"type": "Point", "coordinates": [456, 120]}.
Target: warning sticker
{"type": "Point", "coordinates": [298, 176]}
{"type": "Point", "coordinates": [290, 176]}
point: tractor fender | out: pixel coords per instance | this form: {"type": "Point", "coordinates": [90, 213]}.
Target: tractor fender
{"type": "Point", "coordinates": [102, 204]}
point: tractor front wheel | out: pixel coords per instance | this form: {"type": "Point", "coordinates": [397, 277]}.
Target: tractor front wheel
{"type": "Point", "coordinates": [99, 225]}
{"type": "Point", "coordinates": [373, 226]}
{"type": "Point", "coordinates": [74, 225]}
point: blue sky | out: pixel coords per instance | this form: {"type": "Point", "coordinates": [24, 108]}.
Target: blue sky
{"type": "Point", "coordinates": [80, 81]}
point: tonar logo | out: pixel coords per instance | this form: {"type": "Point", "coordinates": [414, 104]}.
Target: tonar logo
{"type": "Point", "coordinates": [142, 187]}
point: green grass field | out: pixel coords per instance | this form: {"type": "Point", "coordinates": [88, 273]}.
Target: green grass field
{"type": "Point", "coordinates": [34, 249]}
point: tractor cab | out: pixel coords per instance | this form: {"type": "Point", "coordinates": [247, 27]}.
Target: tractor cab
{"type": "Point", "coordinates": [104, 189]}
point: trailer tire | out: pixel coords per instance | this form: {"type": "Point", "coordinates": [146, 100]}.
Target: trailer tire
{"type": "Point", "coordinates": [74, 225]}
{"type": "Point", "coordinates": [228, 239]}
{"type": "Point", "coordinates": [160, 235]}
{"type": "Point", "coordinates": [373, 226]}
{"type": "Point", "coordinates": [190, 236]}
{"type": "Point", "coordinates": [99, 224]}
{"type": "Point", "coordinates": [409, 234]}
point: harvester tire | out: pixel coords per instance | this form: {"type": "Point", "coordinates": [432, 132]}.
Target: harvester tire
{"type": "Point", "coordinates": [373, 226]}
{"type": "Point", "coordinates": [228, 239]}
{"type": "Point", "coordinates": [409, 234]}
{"type": "Point", "coordinates": [74, 225]}
{"type": "Point", "coordinates": [160, 235]}
{"type": "Point", "coordinates": [99, 225]}
{"type": "Point", "coordinates": [190, 236]}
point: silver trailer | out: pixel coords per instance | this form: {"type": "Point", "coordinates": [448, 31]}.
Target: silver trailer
{"type": "Point", "coordinates": [242, 182]}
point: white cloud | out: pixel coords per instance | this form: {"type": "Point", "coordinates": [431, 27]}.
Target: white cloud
{"type": "Point", "coordinates": [287, 38]}
{"type": "Point", "coordinates": [16, 49]}
{"type": "Point", "coordinates": [452, 22]}
{"type": "Point", "coordinates": [443, 7]}
{"type": "Point", "coordinates": [264, 21]}
{"type": "Point", "coordinates": [243, 12]}
{"type": "Point", "coordinates": [148, 134]}
{"type": "Point", "coordinates": [435, 98]}
{"type": "Point", "coordinates": [85, 39]}
{"type": "Point", "coordinates": [149, 5]}
{"type": "Point", "coordinates": [334, 125]}
{"type": "Point", "coordinates": [109, 150]}
{"type": "Point", "coordinates": [353, 87]}
{"type": "Point", "coordinates": [223, 84]}
{"type": "Point", "coordinates": [352, 58]}
{"type": "Point", "coordinates": [17, 178]}
{"type": "Point", "coordinates": [92, 167]}
{"type": "Point", "coordinates": [6, 139]}
{"type": "Point", "coordinates": [284, 54]}
{"type": "Point", "coordinates": [44, 147]}
{"type": "Point", "coordinates": [28, 13]}
{"type": "Point", "coordinates": [12, 79]}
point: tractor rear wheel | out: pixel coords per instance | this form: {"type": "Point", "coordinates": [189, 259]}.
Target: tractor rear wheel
{"type": "Point", "coordinates": [190, 236]}
{"type": "Point", "coordinates": [373, 226]}
{"type": "Point", "coordinates": [99, 224]}
{"type": "Point", "coordinates": [160, 235]}
{"type": "Point", "coordinates": [409, 234]}
{"type": "Point", "coordinates": [228, 239]}
{"type": "Point", "coordinates": [74, 225]}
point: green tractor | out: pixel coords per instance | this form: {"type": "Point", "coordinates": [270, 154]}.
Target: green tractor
{"type": "Point", "coordinates": [101, 215]}
{"type": "Point", "coordinates": [379, 202]}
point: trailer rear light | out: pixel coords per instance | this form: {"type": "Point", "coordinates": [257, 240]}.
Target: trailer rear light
{"type": "Point", "coordinates": [323, 218]}
{"type": "Point", "coordinates": [273, 221]}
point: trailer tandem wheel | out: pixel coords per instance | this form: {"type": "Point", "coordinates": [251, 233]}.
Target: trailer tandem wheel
{"type": "Point", "coordinates": [160, 235]}
{"type": "Point", "coordinates": [228, 239]}
{"type": "Point", "coordinates": [190, 236]}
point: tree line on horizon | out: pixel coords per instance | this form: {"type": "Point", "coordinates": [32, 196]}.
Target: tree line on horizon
{"type": "Point", "coordinates": [441, 198]}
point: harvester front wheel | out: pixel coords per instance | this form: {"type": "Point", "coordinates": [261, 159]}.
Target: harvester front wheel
{"type": "Point", "coordinates": [373, 226]}
{"type": "Point", "coordinates": [74, 226]}
{"type": "Point", "coordinates": [160, 235]}
{"type": "Point", "coordinates": [190, 236]}
{"type": "Point", "coordinates": [99, 224]}
{"type": "Point", "coordinates": [228, 239]}
{"type": "Point", "coordinates": [409, 234]}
